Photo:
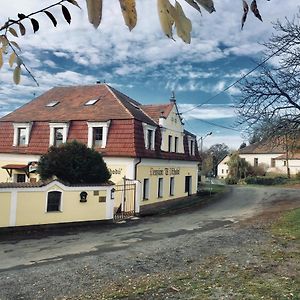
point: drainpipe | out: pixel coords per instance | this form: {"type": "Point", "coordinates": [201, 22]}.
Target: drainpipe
{"type": "Point", "coordinates": [135, 168]}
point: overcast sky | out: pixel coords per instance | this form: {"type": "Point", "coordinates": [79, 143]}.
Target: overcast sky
{"type": "Point", "coordinates": [144, 64]}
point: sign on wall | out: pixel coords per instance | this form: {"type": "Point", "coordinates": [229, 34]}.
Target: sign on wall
{"type": "Point", "coordinates": [165, 171]}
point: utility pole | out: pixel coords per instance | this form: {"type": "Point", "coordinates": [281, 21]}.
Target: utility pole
{"type": "Point", "coordinates": [201, 150]}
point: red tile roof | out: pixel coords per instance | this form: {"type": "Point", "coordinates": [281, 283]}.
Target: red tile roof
{"type": "Point", "coordinates": [125, 135]}
{"type": "Point", "coordinates": [15, 167]}
{"type": "Point", "coordinates": [263, 148]}
{"type": "Point", "coordinates": [293, 156]}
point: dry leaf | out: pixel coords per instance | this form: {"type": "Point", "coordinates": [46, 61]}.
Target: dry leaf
{"type": "Point", "coordinates": [129, 13]}
{"type": "Point", "coordinates": [94, 8]}
{"type": "Point", "coordinates": [1, 58]}
{"type": "Point", "coordinates": [183, 24]}
{"type": "Point", "coordinates": [194, 4]}
{"type": "Point", "coordinates": [17, 75]}
{"type": "Point", "coordinates": [13, 32]}
{"type": "Point", "coordinates": [12, 59]}
{"type": "Point", "coordinates": [165, 10]}
{"type": "Point", "coordinates": [255, 10]}
{"type": "Point", "coordinates": [246, 9]}
{"type": "Point", "coordinates": [207, 4]}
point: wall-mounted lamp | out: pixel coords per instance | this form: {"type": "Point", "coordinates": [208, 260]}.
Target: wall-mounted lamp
{"type": "Point", "coordinates": [112, 193]}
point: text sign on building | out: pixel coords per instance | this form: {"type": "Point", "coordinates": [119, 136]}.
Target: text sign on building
{"type": "Point", "coordinates": [115, 171]}
{"type": "Point", "coordinates": [165, 171]}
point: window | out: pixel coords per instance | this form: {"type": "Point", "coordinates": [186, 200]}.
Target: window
{"type": "Point", "coordinates": [176, 144]}
{"type": "Point", "coordinates": [222, 171]}
{"type": "Point", "coordinates": [58, 137]}
{"type": "Point", "coordinates": [169, 143]}
{"type": "Point", "coordinates": [255, 162]}
{"type": "Point", "coordinates": [149, 139]}
{"type": "Point", "coordinates": [90, 102]}
{"type": "Point", "coordinates": [20, 178]}
{"type": "Point", "coordinates": [172, 186]}
{"type": "Point", "coordinates": [146, 189]}
{"type": "Point", "coordinates": [21, 134]}
{"type": "Point", "coordinates": [160, 188]}
{"type": "Point", "coordinates": [97, 134]}
{"type": "Point", "coordinates": [58, 133]}
{"type": "Point", "coordinates": [191, 144]}
{"type": "Point", "coordinates": [227, 171]}
{"type": "Point", "coordinates": [54, 201]}
{"type": "Point", "coordinates": [192, 148]}
{"type": "Point", "coordinates": [284, 163]}
{"type": "Point", "coordinates": [149, 136]}
{"type": "Point", "coordinates": [272, 162]}
{"type": "Point", "coordinates": [52, 104]}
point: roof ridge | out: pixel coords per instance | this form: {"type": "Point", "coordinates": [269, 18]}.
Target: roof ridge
{"type": "Point", "coordinates": [115, 96]}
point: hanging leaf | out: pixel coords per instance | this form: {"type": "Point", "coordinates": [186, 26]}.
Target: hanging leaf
{"type": "Point", "coordinates": [12, 59]}
{"type": "Point", "coordinates": [183, 24]}
{"type": "Point", "coordinates": [255, 10]}
{"type": "Point", "coordinates": [19, 61]}
{"type": "Point", "coordinates": [22, 29]}
{"type": "Point", "coordinates": [207, 4]}
{"type": "Point", "coordinates": [94, 8]}
{"type": "Point", "coordinates": [194, 4]}
{"type": "Point", "coordinates": [12, 31]}
{"type": "Point", "coordinates": [17, 75]}
{"type": "Point", "coordinates": [246, 10]}
{"type": "Point", "coordinates": [16, 45]}
{"type": "Point", "coordinates": [51, 17]}
{"type": "Point", "coordinates": [21, 16]}
{"type": "Point", "coordinates": [35, 25]}
{"type": "Point", "coordinates": [3, 40]}
{"type": "Point", "coordinates": [165, 17]}
{"type": "Point", "coordinates": [66, 14]}
{"type": "Point", "coordinates": [129, 13]}
{"type": "Point", "coordinates": [1, 58]}
{"type": "Point", "coordinates": [74, 2]}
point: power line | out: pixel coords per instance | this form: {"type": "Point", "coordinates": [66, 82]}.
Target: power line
{"type": "Point", "coordinates": [238, 80]}
{"type": "Point", "coordinates": [214, 124]}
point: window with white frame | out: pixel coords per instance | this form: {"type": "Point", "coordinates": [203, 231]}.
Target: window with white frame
{"type": "Point", "coordinates": [172, 181]}
{"type": "Point", "coordinates": [160, 188]}
{"type": "Point", "coordinates": [170, 146]}
{"type": "Point", "coordinates": [21, 134]}
{"type": "Point", "coordinates": [58, 133]}
{"type": "Point", "coordinates": [149, 136]}
{"type": "Point", "coordinates": [97, 134]}
{"type": "Point", "coordinates": [146, 189]}
{"type": "Point", "coordinates": [54, 201]}
{"type": "Point", "coordinates": [176, 144]}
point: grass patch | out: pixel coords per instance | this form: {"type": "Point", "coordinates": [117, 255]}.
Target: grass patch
{"type": "Point", "coordinates": [288, 225]}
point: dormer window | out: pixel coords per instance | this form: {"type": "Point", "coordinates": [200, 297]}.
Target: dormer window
{"type": "Point", "coordinates": [149, 136]}
{"type": "Point", "coordinates": [91, 102]}
{"type": "Point", "coordinates": [52, 103]}
{"type": "Point", "coordinates": [170, 146]}
{"type": "Point", "coordinates": [192, 144]}
{"type": "Point", "coordinates": [21, 134]}
{"type": "Point", "coordinates": [97, 134]}
{"type": "Point", "coordinates": [58, 133]}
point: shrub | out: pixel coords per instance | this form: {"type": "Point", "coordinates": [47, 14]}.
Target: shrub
{"type": "Point", "coordinates": [231, 180]}
{"type": "Point", "coordinates": [298, 176]}
{"type": "Point", "coordinates": [73, 163]}
{"type": "Point", "coordinates": [266, 180]}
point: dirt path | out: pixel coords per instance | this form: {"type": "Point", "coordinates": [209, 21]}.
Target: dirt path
{"type": "Point", "coordinates": [83, 262]}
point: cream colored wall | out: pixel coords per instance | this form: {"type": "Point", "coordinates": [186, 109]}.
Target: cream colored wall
{"type": "Point", "coordinates": [31, 208]}
{"type": "Point", "coordinates": [179, 184]}
{"type": "Point", "coordinates": [262, 158]}
{"type": "Point", "coordinates": [172, 126]}
{"type": "Point", "coordinates": [4, 209]}
{"type": "Point", "coordinates": [294, 166]}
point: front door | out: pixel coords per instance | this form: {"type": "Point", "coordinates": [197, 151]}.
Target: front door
{"type": "Point", "coordinates": [188, 185]}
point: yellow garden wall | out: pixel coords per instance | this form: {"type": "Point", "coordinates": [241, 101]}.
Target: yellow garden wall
{"type": "Point", "coordinates": [4, 209]}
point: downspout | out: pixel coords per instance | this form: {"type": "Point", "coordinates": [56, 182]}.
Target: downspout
{"type": "Point", "coordinates": [135, 168]}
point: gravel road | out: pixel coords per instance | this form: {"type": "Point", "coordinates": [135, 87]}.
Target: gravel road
{"type": "Point", "coordinates": [74, 262]}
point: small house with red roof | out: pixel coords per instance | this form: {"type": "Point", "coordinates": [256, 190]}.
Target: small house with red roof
{"type": "Point", "coordinates": [143, 143]}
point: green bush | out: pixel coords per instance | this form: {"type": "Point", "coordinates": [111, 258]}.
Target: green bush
{"type": "Point", "coordinates": [298, 176]}
{"type": "Point", "coordinates": [266, 180]}
{"type": "Point", "coordinates": [231, 180]}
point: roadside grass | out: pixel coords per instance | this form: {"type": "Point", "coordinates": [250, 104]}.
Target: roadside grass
{"type": "Point", "coordinates": [272, 272]}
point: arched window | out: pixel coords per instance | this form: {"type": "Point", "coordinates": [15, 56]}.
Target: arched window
{"type": "Point", "coordinates": [54, 201]}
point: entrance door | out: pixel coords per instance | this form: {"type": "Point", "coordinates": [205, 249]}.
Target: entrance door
{"type": "Point", "coordinates": [188, 185]}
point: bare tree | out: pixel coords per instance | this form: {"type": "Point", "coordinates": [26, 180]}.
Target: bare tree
{"type": "Point", "coordinates": [270, 100]}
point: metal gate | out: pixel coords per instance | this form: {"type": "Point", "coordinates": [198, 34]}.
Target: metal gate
{"type": "Point", "coordinates": [125, 200]}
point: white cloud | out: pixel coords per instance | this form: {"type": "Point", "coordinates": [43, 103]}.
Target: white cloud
{"type": "Point", "coordinates": [207, 112]}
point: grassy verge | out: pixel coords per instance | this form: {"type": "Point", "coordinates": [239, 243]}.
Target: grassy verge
{"type": "Point", "coordinates": [271, 272]}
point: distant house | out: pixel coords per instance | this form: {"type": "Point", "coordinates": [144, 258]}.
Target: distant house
{"type": "Point", "coordinates": [142, 143]}
{"type": "Point", "coordinates": [272, 158]}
